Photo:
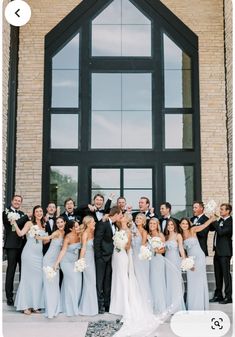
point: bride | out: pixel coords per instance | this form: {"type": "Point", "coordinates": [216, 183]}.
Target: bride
{"type": "Point", "coordinates": [126, 300]}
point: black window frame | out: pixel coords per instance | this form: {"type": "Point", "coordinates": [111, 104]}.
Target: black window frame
{"type": "Point", "coordinates": [163, 21]}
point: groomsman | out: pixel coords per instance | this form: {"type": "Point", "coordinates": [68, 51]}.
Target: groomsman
{"type": "Point", "coordinates": [144, 207]}
{"type": "Point", "coordinates": [103, 248]}
{"type": "Point", "coordinates": [13, 245]}
{"type": "Point", "coordinates": [71, 213]}
{"type": "Point", "coordinates": [199, 218]}
{"type": "Point", "coordinates": [121, 203]}
{"type": "Point", "coordinates": [98, 209]}
{"type": "Point", "coordinates": [50, 226]}
{"type": "Point", "coordinates": [222, 245]}
{"type": "Point", "coordinates": [165, 211]}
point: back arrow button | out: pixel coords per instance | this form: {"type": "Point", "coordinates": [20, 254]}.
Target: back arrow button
{"type": "Point", "coordinates": [16, 13]}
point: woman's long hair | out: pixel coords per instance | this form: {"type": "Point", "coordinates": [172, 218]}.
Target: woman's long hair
{"type": "Point", "coordinates": [189, 224]}
{"type": "Point", "coordinates": [33, 219]}
{"type": "Point", "coordinates": [166, 231]}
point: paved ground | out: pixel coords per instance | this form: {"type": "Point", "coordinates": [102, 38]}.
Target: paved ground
{"type": "Point", "coordinates": [16, 324]}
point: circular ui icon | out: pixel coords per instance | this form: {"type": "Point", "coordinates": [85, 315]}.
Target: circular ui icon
{"type": "Point", "coordinates": [17, 13]}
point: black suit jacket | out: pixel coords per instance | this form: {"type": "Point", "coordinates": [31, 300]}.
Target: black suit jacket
{"type": "Point", "coordinates": [86, 211]}
{"type": "Point", "coordinates": [224, 234]}
{"type": "Point", "coordinates": [203, 235]}
{"type": "Point", "coordinates": [103, 240]}
{"type": "Point", "coordinates": [49, 231]}
{"type": "Point", "coordinates": [11, 239]}
{"type": "Point", "coordinates": [77, 214]}
{"type": "Point", "coordinates": [162, 219]}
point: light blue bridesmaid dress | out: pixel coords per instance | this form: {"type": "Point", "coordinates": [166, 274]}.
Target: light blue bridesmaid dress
{"type": "Point", "coordinates": [141, 268]}
{"type": "Point", "coordinates": [72, 281]}
{"type": "Point", "coordinates": [197, 287]}
{"type": "Point", "coordinates": [51, 287]}
{"type": "Point", "coordinates": [174, 281]}
{"type": "Point", "coordinates": [89, 304]}
{"type": "Point", "coordinates": [30, 293]}
{"type": "Point", "coordinates": [158, 283]}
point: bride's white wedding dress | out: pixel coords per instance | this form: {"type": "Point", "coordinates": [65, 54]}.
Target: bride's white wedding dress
{"type": "Point", "coordinates": [138, 319]}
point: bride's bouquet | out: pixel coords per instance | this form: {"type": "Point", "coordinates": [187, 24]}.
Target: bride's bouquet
{"type": "Point", "coordinates": [34, 230]}
{"type": "Point", "coordinates": [145, 253]}
{"type": "Point", "coordinates": [12, 216]}
{"type": "Point", "coordinates": [80, 265]}
{"type": "Point", "coordinates": [187, 263]}
{"type": "Point", "coordinates": [210, 207]}
{"type": "Point", "coordinates": [156, 243]}
{"type": "Point", "coordinates": [120, 240]}
{"type": "Point", "coordinates": [49, 272]}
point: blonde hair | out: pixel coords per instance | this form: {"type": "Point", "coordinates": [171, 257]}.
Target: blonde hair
{"type": "Point", "coordinates": [85, 222]}
{"type": "Point", "coordinates": [129, 218]}
{"type": "Point", "coordinates": [156, 220]}
{"type": "Point", "coordinates": [143, 216]}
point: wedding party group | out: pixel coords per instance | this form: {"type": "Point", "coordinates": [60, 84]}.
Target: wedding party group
{"type": "Point", "coordinates": [96, 258]}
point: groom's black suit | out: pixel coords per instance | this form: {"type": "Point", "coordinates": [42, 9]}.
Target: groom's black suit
{"type": "Point", "coordinates": [103, 247]}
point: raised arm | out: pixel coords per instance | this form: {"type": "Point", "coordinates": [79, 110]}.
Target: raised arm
{"type": "Point", "coordinates": [49, 237]}
{"type": "Point", "coordinates": [200, 228]}
{"type": "Point", "coordinates": [84, 243]}
{"type": "Point", "coordinates": [181, 247]}
{"type": "Point", "coordinates": [24, 230]}
{"type": "Point", "coordinates": [62, 252]}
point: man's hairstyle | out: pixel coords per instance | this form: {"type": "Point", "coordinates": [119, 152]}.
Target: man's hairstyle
{"type": "Point", "coordinates": [147, 200]}
{"type": "Point", "coordinates": [199, 203]}
{"type": "Point", "coordinates": [69, 199]}
{"type": "Point", "coordinates": [121, 198]}
{"type": "Point", "coordinates": [167, 204]}
{"type": "Point", "coordinates": [114, 210]}
{"type": "Point", "coordinates": [17, 196]}
{"type": "Point", "coordinates": [98, 195]}
{"type": "Point", "coordinates": [51, 202]}
{"type": "Point", "coordinates": [228, 207]}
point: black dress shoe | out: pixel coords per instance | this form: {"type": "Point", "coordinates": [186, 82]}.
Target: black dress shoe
{"type": "Point", "coordinates": [226, 301]}
{"type": "Point", "coordinates": [10, 302]}
{"type": "Point", "coordinates": [216, 299]}
{"type": "Point", "coordinates": [101, 310]}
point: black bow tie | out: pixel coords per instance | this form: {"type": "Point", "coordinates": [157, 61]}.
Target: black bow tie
{"type": "Point", "coordinates": [100, 210]}
{"type": "Point", "coordinates": [51, 218]}
{"type": "Point", "coordinates": [70, 214]}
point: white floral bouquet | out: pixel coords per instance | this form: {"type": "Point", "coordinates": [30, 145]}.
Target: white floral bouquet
{"type": "Point", "coordinates": [34, 230]}
{"type": "Point", "coordinates": [80, 265]}
{"type": "Point", "coordinates": [187, 263]}
{"type": "Point", "coordinates": [12, 216]}
{"type": "Point", "coordinates": [50, 273]}
{"type": "Point", "coordinates": [120, 240]}
{"type": "Point", "coordinates": [145, 253]}
{"type": "Point", "coordinates": [156, 243]}
{"type": "Point", "coordinates": [210, 207]}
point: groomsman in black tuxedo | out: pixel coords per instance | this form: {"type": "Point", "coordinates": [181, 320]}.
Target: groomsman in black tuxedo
{"type": "Point", "coordinates": [13, 244]}
{"type": "Point", "coordinates": [199, 218]}
{"type": "Point", "coordinates": [103, 248]}
{"type": "Point", "coordinates": [165, 211]}
{"type": "Point", "coordinates": [98, 209]}
{"type": "Point", "coordinates": [222, 245]}
{"type": "Point", "coordinates": [144, 207]}
{"type": "Point", "coordinates": [50, 225]}
{"type": "Point", "coordinates": [121, 203]}
{"type": "Point", "coordinates": [71, 213]}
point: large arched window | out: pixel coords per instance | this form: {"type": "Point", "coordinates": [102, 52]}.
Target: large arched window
{"type": "Point", "coordinates": [121, 107]}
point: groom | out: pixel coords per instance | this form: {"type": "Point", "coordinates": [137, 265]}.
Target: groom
{"type": "Point", "coordinates": [103, 247]}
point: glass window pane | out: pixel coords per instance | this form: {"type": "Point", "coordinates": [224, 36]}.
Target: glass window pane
{"type": "Point", "coordinates": [106, 40]}
{"type": "Point", "coordinates": [178, 131]}
{"type": "Point", "coordinates": [132, 15]}
{"type": "Point", "coordinates": [136, 40]}
{"type": "Point", "coordinates": [106, 91]}
{"type": "Point", "coordinates": [105, 129]}
{"type": "Point", "coordinates": [63, 183]}
{"type": "Point", "coordinates": [138, 178]}
{"type": "Point", "coordinates": [105, 178]}
{"type": "Point", "coordinates": [133, 196]}
{"type": "Point", "coordinates": [136, 91]}
{"type": "Point", "coordinates": [174, 57]}
{"type": "Point", "coordinates": [64, 131]}
{"type": "Point", "coordinates": [135, 124]}
{"type": "Point", "coordinates": [64, 89]}
{"type": "Point", "coordinates": [110, 15]}
{"type": "Point", "coordinates": [178, 89]}
{"type": "Point", "coordinates": [179, 185]}
{"type": "Point", "coordinates": [68, 56]}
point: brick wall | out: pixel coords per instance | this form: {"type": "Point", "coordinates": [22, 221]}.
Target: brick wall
{"type": "Point", "coordinates": [5, 77]}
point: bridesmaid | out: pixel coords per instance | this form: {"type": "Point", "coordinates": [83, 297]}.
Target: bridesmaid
{"type": "Point", "coordinates": [30, 295]}
{"type": "Point", "coordinates": [141, 267]}
{"type": "Point", "coordinates": [174, 282]}
{"type": "Point", "coordinates": [157, 270]}
{"type": "Point", "coordinates": [89, 304]}
{"type": "Point", "coordinates": [51, 287]}
{"type": "Point", "coordinates": [197, 287]}
{"type": "Point", "coordinates": [72, 281]}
